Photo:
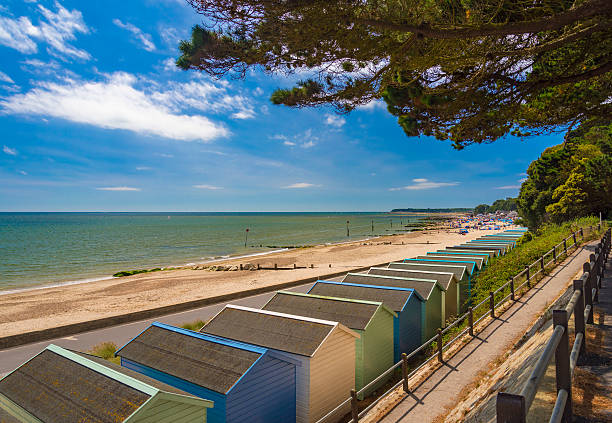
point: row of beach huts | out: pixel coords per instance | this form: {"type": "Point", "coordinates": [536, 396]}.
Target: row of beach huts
{"type": "Point", "coordinates": [294, 360]}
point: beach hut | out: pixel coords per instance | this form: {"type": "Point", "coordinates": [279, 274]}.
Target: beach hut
{"type": "Point", "coordinates": [372, 320]}
{"type": "Point", "coordinates": [323, 350]}
{"type": "Point", "coordinates": [433, 312]}
{"type": "Point", "coordinates": [448, 281]}
{"type": "Point", "coordinates": [504, 248]}
{"type": "Point", "coordinates": [246, 382]}
{"type": "Point", "coordinates": [470, 266]}
{"type": "Point", "coordinates": [480, 261]}
{"type": "Point", "coordinates": [484, 257]}
{"type": "Point", "coordinates": [405, 302]}
{"type": "Point", "coordinates": [490, 253]}
{"type": "Point", "coordinates": [497, 250]}
{"type": "Point", "coordinates": [459, 270]}
{"type": "Point", "coordinates": [63, 386]}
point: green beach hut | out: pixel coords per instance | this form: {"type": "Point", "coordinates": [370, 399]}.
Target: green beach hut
{"type": "Point", "coordinates": [452, 250]}
{"type": "Point", "coordinates": [477, 260]}
{"type": "Point", "coordinates": [63, 386]}
{"type": "Point", "coordinates": [484, 257]}
{"type": "Point", "coordinates": [433, 312]}
{"type": "Point", "coordinates": [372, 320]}
{"type": "Point", "coordinates": [460, 271]}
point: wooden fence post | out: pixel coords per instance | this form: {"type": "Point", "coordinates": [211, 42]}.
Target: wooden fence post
{"type": "Point", "coordinates": [512, 297]}
{"type": "Point", "coordinates": [405, 372]}
{"type": "Point", "coordinates": [562, 363]}
{"type": "Point", "coordinates": [565, 247]}
{"type": "Point", "coordinates": [510, 408]}
{"type": "Point", "coordinates": [574, 239]}
{"type": "Point", "coordinates": [440, 356]}
{"type": "Point", "coordinates": [581, 233]}
{"type": "Point", "coordinates": [554, 250]}
{"type": "Point", "coordinates": [354, 408]}
{"type": "Point", "coordinates": [492, 303]}
{"type": "Point", "coordinates": [579, 315]}
{"type": "Point", "coordinates": [542, 264]}
{"type": "Point", "coordinates": [527, 277]}
{"type": "Point", "coordinates": [594, 276]}
{"type": "Point", "coordinates": [471, 320]}
{"type": "Point", "coordinates": [588, 293]}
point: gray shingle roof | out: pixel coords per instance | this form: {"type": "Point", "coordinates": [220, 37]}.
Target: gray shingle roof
{"type": "Point", "coordinates": [394, 299]}
{"type": "Point", "coordinates": [57, 390]}
{"type": "Point", "coordinates": [443, 279]}
{"type": "Point", "coordinates": [351, 313]}
{"type": "Point", "coordinates": [5, 417]}
{"type": "Point", "coordinates": [477, 260]}
{"type": "Point", "coordinates": [284, 333]}
{"type": "Point", "coordinates": [208, 364]}
{"type": "Point", "coordinates": [423, 287]}
{"type": "Point", "coordinates": [458, 270]}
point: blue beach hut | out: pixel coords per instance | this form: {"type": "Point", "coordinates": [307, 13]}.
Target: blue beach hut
{"type": "Point", "coordinates": [405, 302]}
{"type": "Point", "coordinates": [247, 383]}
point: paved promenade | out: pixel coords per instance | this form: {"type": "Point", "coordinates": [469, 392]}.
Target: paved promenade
{"type": "Point", "coordinates": [430, 399]}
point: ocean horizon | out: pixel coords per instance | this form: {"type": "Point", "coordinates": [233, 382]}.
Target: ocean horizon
{"type": "Point", "coordinates": [39, 249]}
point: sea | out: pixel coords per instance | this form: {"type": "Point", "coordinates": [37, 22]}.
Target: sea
{"type": "Point", "coordinates": [50, 249]}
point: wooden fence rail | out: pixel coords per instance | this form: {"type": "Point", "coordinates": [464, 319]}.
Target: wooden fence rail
{"type": "Point", "coordinates": [513, 408]}
{"type": "Point", "coordinates": [491, 304]}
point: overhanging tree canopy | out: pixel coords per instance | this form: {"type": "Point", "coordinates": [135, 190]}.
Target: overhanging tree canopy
{"type": "Point", "coordinates": [469, 71]}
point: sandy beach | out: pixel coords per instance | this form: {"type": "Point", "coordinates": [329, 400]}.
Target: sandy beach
{"type": "Point", "coordinates": [49, 307]}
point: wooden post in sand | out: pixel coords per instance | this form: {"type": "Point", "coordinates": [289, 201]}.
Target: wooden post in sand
{"type": "Point", "coordinates": [246, 237]}
{"type": "Point", "coordinates": [347, 229]}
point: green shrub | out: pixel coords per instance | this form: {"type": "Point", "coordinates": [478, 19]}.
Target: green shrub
{"type": "Point", "coordinates": [197, 325]}
{"type": "Point", "coordinates": [105, 350]}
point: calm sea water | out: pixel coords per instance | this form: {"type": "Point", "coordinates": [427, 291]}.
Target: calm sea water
{"type": "Point", "coordinates": [49, 248]}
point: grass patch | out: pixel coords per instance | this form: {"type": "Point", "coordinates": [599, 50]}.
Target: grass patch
{"type": "Point", "coordinates": [105, 350]}
{"type": "Point", "coordinates": [135, 272]}
{"type": "Point", "coordinates": [196, 326]}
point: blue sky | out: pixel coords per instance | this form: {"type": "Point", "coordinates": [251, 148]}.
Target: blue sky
{"type": "Point", "coordinates": [94, 116]}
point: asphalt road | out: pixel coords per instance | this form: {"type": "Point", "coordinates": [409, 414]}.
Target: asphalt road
{"type": "Point", "coordinates": [12, 358]}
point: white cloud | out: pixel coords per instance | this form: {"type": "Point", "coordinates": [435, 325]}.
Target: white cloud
{"type": "Point", "coordinates": [278, 137]}
{"type": "Point", "coordinates": [23, 172]}
{"type": "Point", "coordinates": [54, 28]}
{"type": "Point", "coordinates": [9, 151]}
{"type": "Point", "coordinates": [422, 183]}
{"type": "Point", "coordinates": [209, 187]}
{"type": "Point", "coordinates": [5, 78]}
{"type": "Point", "coordinates": [334, 120]}
{"type": "Point", "coordinates": [118, 189]}
{"type": "Point", "coordinates": [170, 36]}
{"type": "Point", "coordinates": [373, 105]}
{"type": "Point", "coordinates": [258, 91]}
{"type": "Point", "coordinates": [509, 187]}
{"type": "Point", "coordinates": [205, 97]}
{"type": "Point", "coordinates": [144, 168]}
{"type": "Point", "coordinates": [299, 185]}
{"type": "Point", "coordinates": [304, 140]}
{"type": "Point", "coordinates": [288, 143]}
{"type": "Point", "coordinates": [142, 37]}
{"type": "Point", "coordinates": [165, 155]}
{"type": "Point", "coordinates": [114, 103]}
{"type": "Point", "coordinates": [308, 144]}
{"type": "Point", "coordinates": [170, 65]}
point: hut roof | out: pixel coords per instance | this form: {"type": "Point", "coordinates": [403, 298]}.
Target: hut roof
{"type": "Point", "coordinates": [352, 313]}
{"type": "Point", "coordinates": [204, 360]}
{"type": "Point", "coordinates": [443, 279]}
{"type": "Point", "coordinates": [459, 271]}
{"type": "Point", "coordinates": [477, 260]}
{"type": "Point", "coordinates": [423, 286]}
{"type": "Point", "coordinates": [279, 331]}
{"type": "Point", "coordinates": [490, 253]}
{"type": "Point", "coordinates": [469, 265]}
{"type": "Point", "coordinates": [5, 417]}
{"type": "Point", "coordinates": [393, 297]}
{"type": "Point", "coordinates": [94, 390]}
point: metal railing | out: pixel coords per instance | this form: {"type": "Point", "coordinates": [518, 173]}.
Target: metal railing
{"type": "Point", "coordinates": [555, 253]}
{"type": "Point", "coordinates": [513, 408]}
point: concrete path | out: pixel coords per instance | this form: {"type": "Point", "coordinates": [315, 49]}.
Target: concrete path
{"type": "Point", "coordinates": [604, 321]}
{"type": "Point", "coordinates": [12, 358]}
{"type": "Point", "coordinates": [439, 393]}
